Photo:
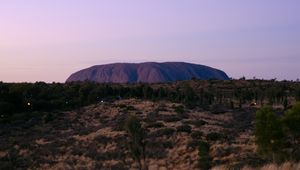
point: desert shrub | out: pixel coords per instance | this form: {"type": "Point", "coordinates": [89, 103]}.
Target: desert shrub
{"type": "Point", "coordinates": [6, 108]}
{"type": "Point", "coordinates": [152, 117]}
{"type": "Point", "coordinates": [118, 166]}
{"type": "Point", "coordinates": [120, 141]}
{"type": "Point", "coordinates": [155, 125]}
{"type": "Point", "coordinates": [49, 117]}
{"type": "Point", "coordinates": [4, 164]}
{"type": "Point", "coordinates": [14, 161]}
{"type": "Point", "coordinates": [204, 159]}
{"type": "Point", "coordinates": [105, 120]}
{"type": "Point", "coordinates": [291, 123]}
{"type": "Point", "coordinates": [194, 143]}
{"type": "Point", "coordinates": [103, 139]}
{"type": "Point", "coordinates": [184, 128]}
{"type": "Point", "coordinates": [199, 123]}
{"type": "Point", "coordinates": [122, 106]}
{"type": "Point", "coordinates": [179, 109]}
{"type": "Point", "coordinates": [156, 152]}
{"type": "Point", "coordinates": [268, 133]}
{"type": "Point", "coordinates": [84, 131]}
{"type": "Point", "coordinates": [78, 151]}
{"type": "Point", "coordinates": [161, 108]}
{"type": "Point", "coordinates": [162, 132]}
{"type": "Point", "coordinates": [218, 109]}
{"type": "Point", "coordinates": [214, 136]}
{"type": "Point", "coordinates": [118, 123]}
{"type": "Point", "coordinates": [91, 151]}
{"type": "Point", "coordinates": [196, 134]}
{"type": "Point", "coordinates": [167, 144]}
{"type": "Point", "coordinates": [183, 115]}
{"type": "Point", "coordinates": [136, 142]}
{"type": "Point", "coordinates": [196, 123]}
{"type": "Point", "coordinates": [189, 95]}
{"type": "Point", "coordinates": [170, 118]}
{"type": "Point", "coordinates": [157, 149]}
{"type": "Point", "coordinates": [126, 107]}
{"type": "Point", "coordinates": [110, 155]}
{"type": "Point", "coordinates": [160, 143]}
{"type": "Point", "coordinates": [98, 165]}
{"type": "Point", "coordinates": [297, 94]}
{"type": "Point", "coordinates": [291, 120]}
{"type": "Point", "coordinates": [139, 113]}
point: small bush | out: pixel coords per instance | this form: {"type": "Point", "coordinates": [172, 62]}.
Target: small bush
{"type": "Point", "coordinates": [152, 117]}
{"type": "Point", "coordinates": [122, 106]}
{"type": "Point", "coordinates": [119, 122]}
{"type": "Point", "coordinates": [126, 107]}
{"type": "Point", "coordinates": [196, 134]}
{"type": "Point", "coordinates": [110, 155]}
{"type": "Point", "coordinates": [179, 109]}
{"type": "Point", "coordinates": [184, 128]}
{"type": "Point", "coordinates": [199, 123]}
{"type": "Point", "coordinates": [214, 136]}
{"type": "Point", "coordinates": [162, 132]}
{"type": "Point", "coordinates": [193, 144]}
{"type": "Point", "coordinates": [218, 109]}
{"type": "Point", "coordinates": [130, 108]}
{"type": "Point", "coordinates": [118, 166]}
{"type": "Point", "coordinates": [49, 117]}
{"type": "Point", "coordinates": [196, 123]}
{"type": "Point", "coordinates": [156, 152]}
{"type": "Point", "coordinates": [170, 118]}
{"type": "Point", "coordinates": [181, 112]}
{"type": "Point", "coordinates": [103, 139]}
{"type": "Point", "coordinates": [155, 125]}
{"type": "Point", "coordinates": [161, 109]}
{"type": "Point", "coordinates": [157, 149]}
{"type": "Point", "coordinates": [167, 144]}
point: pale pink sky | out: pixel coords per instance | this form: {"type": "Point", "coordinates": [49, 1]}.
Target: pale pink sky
{"type": "Point", "coordinates": [48, 40]}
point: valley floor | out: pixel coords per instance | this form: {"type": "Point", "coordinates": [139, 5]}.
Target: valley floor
{"type": "Point", "coordinates": [94, 138]}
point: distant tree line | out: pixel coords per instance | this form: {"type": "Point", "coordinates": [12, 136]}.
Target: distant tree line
{"type": "Point", "coordinates": [40, 96]}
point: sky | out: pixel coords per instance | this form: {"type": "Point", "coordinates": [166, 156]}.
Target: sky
{"type": "Point", "coordinates": [47, 40]}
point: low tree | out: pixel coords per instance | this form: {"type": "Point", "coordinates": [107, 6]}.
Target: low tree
{"type": "Point", "coordinates": [297, 94]}
{"type": "Point", "coordinates": [291, 121]}
{"type": "Point", "coordinates": [136, 143]}
{"type": "Point", "coordinates": [189, 95]}
{"type": "Point", "coordinates": [268, 133]}
{"type": "Point", "coordinates": [285, 103]}
{"type": "Point", "coordinates": [204, 159]}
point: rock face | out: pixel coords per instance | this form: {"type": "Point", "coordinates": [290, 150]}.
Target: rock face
{"type": "Point", "coordinates": [150, 72]}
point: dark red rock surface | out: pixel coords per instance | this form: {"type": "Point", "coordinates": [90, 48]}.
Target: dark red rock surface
{"type": "Point", "coordinates": [150, 72]}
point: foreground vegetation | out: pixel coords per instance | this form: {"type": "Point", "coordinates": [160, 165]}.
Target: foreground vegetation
{"type": "Point", "coordinates": [184, 125]}
{"type": "Point", "coordinates": [278, 136]}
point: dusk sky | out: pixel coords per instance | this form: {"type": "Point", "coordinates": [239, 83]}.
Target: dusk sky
{"type": "Point", "coordinates": [47, 40]}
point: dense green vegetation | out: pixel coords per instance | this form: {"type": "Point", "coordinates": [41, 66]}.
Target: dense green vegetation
{"type": "Point", "coordinates": [278, 137]}
{"type": "Point", "coordinates": [268, 132]}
